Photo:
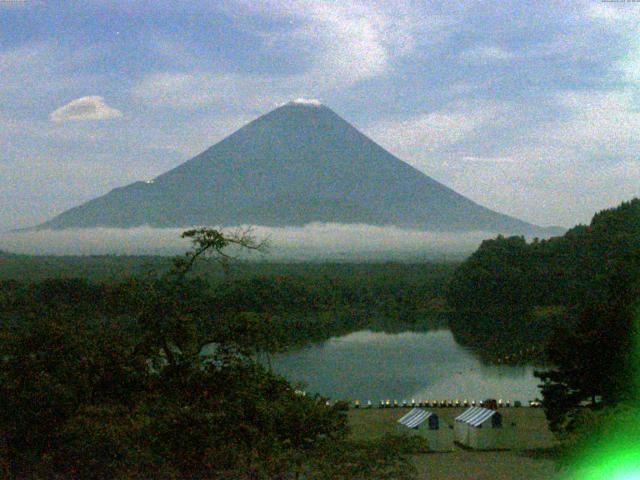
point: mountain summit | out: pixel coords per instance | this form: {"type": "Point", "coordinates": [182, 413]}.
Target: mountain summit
{"type": "Point", "coordinates": [298, 164]}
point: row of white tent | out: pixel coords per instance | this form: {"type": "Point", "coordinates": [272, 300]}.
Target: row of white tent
{"type": "Point", "coordinates": [478, 428]}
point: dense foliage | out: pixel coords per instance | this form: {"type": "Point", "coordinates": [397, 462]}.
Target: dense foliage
{"type": "Point", "coordinates": [114, 381]}
{"type": "Point", "coordinates": [511, 274]}
{"type": "Point", "coordinates": [297, 303]}
{"type": "Point", "coordinates": [588, 284]}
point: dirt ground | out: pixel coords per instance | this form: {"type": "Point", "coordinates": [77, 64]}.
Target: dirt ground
{"type": "Point", "coordinates": [528, 462]}
{"type": "Point", "coordinates": [467, 465]}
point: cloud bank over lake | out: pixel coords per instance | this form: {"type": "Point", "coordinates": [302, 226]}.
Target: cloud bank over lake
{"type": "Point", "coordinates": [312, 241]}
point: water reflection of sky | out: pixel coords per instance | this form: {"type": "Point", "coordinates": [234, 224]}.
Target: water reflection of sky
{"type": "Point", "coordinates": [422, 365]}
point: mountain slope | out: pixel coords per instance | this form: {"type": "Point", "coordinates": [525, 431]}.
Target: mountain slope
{"type": "Point", "coordinates": [298, 164]}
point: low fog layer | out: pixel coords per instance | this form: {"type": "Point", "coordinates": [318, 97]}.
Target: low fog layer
{"type": "Point", "coordinates": [313, 241]}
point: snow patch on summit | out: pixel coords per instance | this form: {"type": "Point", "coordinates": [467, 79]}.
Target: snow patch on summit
{"type": "Point", "coordinates": [306, 101]}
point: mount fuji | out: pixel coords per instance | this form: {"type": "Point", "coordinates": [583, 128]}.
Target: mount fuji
{"type": "Point", "coordinates": [298, 164]}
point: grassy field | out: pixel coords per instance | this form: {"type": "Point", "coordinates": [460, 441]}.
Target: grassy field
{"type": "Point", "coordinates": [527, 462]}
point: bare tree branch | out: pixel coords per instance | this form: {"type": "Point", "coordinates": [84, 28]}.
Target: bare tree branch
{"type": "Point", "coordinates": [206, 242]}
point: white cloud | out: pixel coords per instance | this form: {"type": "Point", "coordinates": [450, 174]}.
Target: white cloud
{"type": "Point", "coordinates": [596, 123]}
{"type": "Point", "coordinates": [348, 41]}
{"type": "Point", "coordinates": [630, 64]}
{"type": "Point", "coordinates": [622, 19]}
{"type": "Point", "coordinates": [557, 169]}
{"type": "Point", "coordinates": [198, 89]}
{"type": "Point", "coordinates": [434, 131]}
{"type": "Point", "coordinates": [15, 4]}
{"type": "Point", "coordinates": [307, 101]}
{"type": "Point", "coordinates": [84, 108]}
{"type": "Point", "coordinates": [229, 93]}
{"type": "Point", "coordinates": [561, 170]}
{"type": "Point", "coordinates": [342, 44]}
{"type": "Point", "coordinates": [614, 12]}
{"type": "Point", "coordinates": [175, 90]}
{"type": "Point", "coordinates": [473, 158]}
{"type": "Point", "coordinates": [315, 240]}
{"type": "Point", "coordinates": [40, 70]}
{"type": "Point", "coordinates": [484, 54]}
{"type": "Point", "coordinates": [353, 47]}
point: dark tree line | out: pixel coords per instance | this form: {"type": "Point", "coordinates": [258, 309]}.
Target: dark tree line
{"type": "Point", "coordinates": [309, 304]}
{"type": "Point", "coordinates": [590, 280]}
{"type": "Point", "coordinates": [508, 273]}
{"type": "Point", "coordinates": [114, 382]}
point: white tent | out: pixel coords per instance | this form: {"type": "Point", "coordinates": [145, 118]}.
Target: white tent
{"type": "Point", "coordinates": [482, 429]}
{"type": "Point", "coordinates": [427, 424]}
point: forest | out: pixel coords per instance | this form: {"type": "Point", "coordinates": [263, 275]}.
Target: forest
{"type": "Point", "coordinates": [104, 380]}
{"type": "Point", "coordinates": [578, 267]}
{"type": "Point", "coordinates": [513, 288]}
{"type": "Point", "coordinates": [303, 302]}
{"type": "Point", "coordinates": [578, 298]}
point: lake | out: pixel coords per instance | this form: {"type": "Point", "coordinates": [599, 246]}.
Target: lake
{"type": "Point", "coordinates": [367, 365]}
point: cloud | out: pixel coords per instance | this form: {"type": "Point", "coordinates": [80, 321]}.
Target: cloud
{"type": "Point", "coordinates": [198, 89]}
{"type": "Point", "coordinates": [555, 160]}
{"type": "Point", "coordinates": [9, 4]}
{"type": "Point", "coordinates": [351, 40]}
{"type": "Point", "coordinates": [484, 54]}
{"type": "Point", "coordinates": [174, 90]}
{"type": "Point", "coordinates": [595, 123]}
{"type": "Point", "coordinates": [621, 19]}
{"type": "Point", "coordinates": [312, 241]}
{"type": "Point", "coordinates": [37, 71]}
{"type": "Point", "coordinates": [472, 158]}
{"type": "Point", "coordinates": [229, 93]}
{"type": "Point", "coordinates": [630, 64]}
{"type": "Point", "coordinates": [307, 101]}
{"type": "Point", "coordinates": [338, 45]}
{"type": "Point", "coordinates": [84, 108]}
{"type": "Point", "coordinates": [563, 168]}
{"type": "Point", "coordinates": [430, 132]}
{"type": "Point", "coordinates": [613, 12]}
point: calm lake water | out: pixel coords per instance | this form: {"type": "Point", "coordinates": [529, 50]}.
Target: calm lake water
{"type": "Point", "coordinates": [368, 365]}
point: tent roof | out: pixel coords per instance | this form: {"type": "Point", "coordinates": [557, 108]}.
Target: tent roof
{"type": "Point", "coordinates": [415, 417]}
{"type": "Point", "coordinates": [475, 416]}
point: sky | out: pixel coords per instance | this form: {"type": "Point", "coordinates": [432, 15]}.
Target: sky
{"type": "Point", "coordinates": [529, 108]}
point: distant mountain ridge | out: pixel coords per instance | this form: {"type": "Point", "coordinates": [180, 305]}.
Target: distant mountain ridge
{"type": "Point", "coordinates": [298, 164]}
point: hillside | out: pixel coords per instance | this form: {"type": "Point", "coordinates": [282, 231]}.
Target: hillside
{"type": "Point", "coordinates": [579, 267]}
{"type": "Point", "coordinates": [516, 294]}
